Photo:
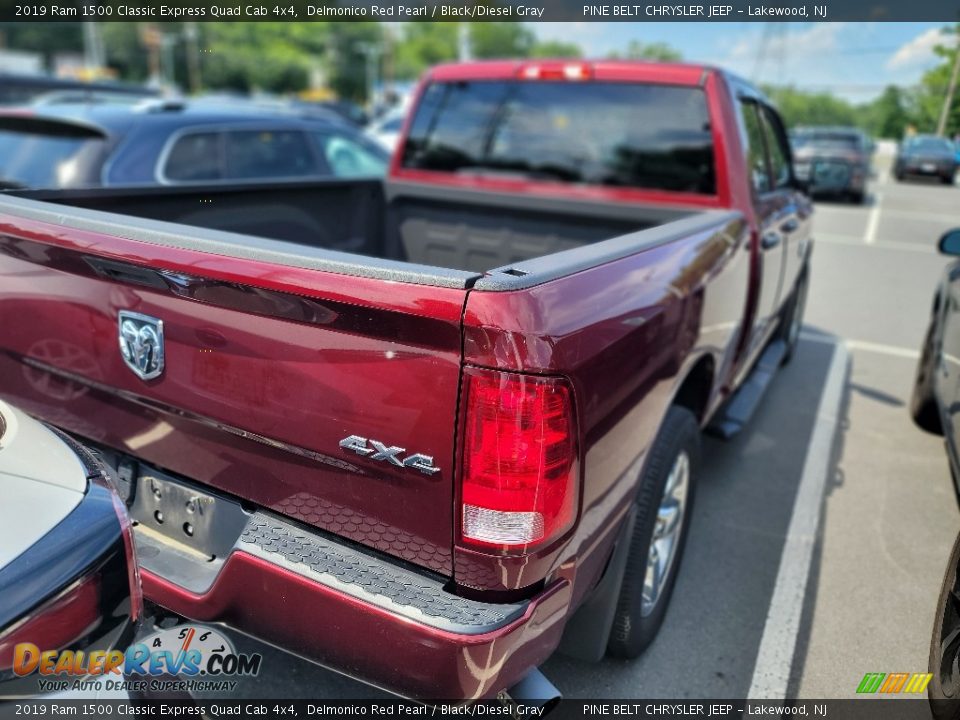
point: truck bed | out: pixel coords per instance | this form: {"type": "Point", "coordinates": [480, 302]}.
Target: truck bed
{"type": "Point", "coordinates": [283, 338]}
{"type": "Point", "coordinates": [445, 237]}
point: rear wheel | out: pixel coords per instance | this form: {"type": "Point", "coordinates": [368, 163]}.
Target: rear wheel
{"type": "Point", "coordinates": [663, 509]}
{"type": "Point", "coordinates": [923, 403]}
{"type": "Point", "coordinates": [944, 688]}
{"type": "Point", "coordinates": [792, 320]}
{"type": "Point", "coordinates": [857, 197]}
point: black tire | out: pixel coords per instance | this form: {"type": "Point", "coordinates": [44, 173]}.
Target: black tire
{"type": "Point", "coordinates": [857, 197]}
{"type": "Point", "coordinates": [792, 319]}
{"type": "Point", "coordinates": [944, 688]}
{"type": "Point", "coordinates": [923, 402]}
{"type": "Point", "coordinates": [947, 180]}
{"type": "Point", "coordinates": [634, 626]}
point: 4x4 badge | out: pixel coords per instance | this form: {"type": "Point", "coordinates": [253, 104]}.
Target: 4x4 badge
{"type": "Point", "coordinates": [141, 343]}
{"type": "Point", "coordinates": [379, 451]}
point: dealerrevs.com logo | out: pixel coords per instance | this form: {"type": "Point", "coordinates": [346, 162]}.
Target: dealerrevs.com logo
{"type": "Point", "coordinates": [182, 658]}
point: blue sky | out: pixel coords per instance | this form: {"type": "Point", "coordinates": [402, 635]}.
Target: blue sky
{"type": "Point", "coordinates": [853, 60]}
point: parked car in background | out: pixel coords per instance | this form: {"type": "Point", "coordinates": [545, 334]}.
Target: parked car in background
{"type": "Point", "coordinates": [385, 131]}
{"type": "Point", "coordinates": [935, 403]}
{"type": "Point", "coordinates": [68, 575]}
{"type": "Point", "coordinates": [935, 406]}
{"type": "Point", "coordinates": [174, 142]}
{"type": "Point", "coordinates": [456, 415]}
{"type": "Point", "coordinates": [833, 160]}
{"type": "Point", "coordinates": [349, 111]}
{"type": "Point", "coordinates": [20, 89]}
{"type": "Point", "coordinates": [926, 155]}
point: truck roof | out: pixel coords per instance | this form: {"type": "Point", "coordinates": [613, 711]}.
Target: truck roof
{"type": "Point", "coordinates": [674, 73]}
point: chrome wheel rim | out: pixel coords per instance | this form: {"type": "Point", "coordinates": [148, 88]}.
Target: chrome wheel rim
{"type": "Point", "coordinates": [666, 533]}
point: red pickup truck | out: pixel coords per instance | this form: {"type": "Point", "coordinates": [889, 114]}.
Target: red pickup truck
{"type": "Point", "coordinates": [427, 431]}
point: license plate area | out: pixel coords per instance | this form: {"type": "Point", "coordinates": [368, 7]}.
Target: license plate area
{"type": "Point", "coordinates": [202, 522]}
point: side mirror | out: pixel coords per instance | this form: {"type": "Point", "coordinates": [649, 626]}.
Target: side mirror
{"type": "Point", "coordinates": [950, 242]}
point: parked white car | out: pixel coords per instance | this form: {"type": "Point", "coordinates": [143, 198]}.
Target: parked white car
{"type": "Point", "coordinates": [68, 576]}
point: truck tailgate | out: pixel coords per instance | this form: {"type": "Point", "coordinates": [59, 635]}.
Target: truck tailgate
{"type": "Point", "coordinates": [268, 365]}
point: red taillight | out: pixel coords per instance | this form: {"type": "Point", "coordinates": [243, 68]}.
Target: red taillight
{"type": "Point", "coordinates": [519, 483]}
{"type": "Point", "coordinates": [58, 623]}
{"type": "Point", "coordinates": [556, 71]}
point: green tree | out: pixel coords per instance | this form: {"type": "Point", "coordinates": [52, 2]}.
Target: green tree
{"type": "Point", "coordinates": [637, 50]}
{"type": "Point", "coordinates": [888, 116]}
{"type": "Point", "coordinates": [46, 38]}
{"type": "Point", "coordinates": [501, 40]}
{"type": "Point", "coordinates": [934, 84]}
{"type": "Point", "coordinates": [423, 44]}
{"type": "Point", "coordinates": [556, 49]}
{"type": "Point", "coordinates": [799, 107]}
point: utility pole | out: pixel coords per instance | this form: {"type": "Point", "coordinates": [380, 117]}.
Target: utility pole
{"type": "Point", "coordinates": [463, 42]}
{"type": "Point", "coordinates": [190, 34]}
{"type": "Point", "coordinates": [371, 51]}
{"type": "Point", "coordinates": [951, 89]}
{"type": "Point", "coordinates": [93, 55]}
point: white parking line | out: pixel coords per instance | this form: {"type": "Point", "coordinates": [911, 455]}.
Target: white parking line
{"type": "Point", "coordinates": [854, 240]}
{"type": "Point", "coordinates": [864, 345]}
{"type": "Point", "coordinates": [771, 674]}
{"type": "Point", "coordinates": [873, 222]}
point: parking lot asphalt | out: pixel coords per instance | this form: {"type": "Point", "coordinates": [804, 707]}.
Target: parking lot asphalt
{"type": "Point", "coordinates": [820, 533]}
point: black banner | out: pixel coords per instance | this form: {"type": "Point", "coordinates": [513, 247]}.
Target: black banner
{"type": "Point", "coordinates": [568, 709]}
{"type": "Point", "coordinates": [479, 10]}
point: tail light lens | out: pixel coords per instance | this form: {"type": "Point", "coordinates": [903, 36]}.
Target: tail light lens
{"type": "Point", "coordinates": [519, 480]}
{"type": "Point", "coordinates": [58, 623]}
{"type": "Point", "coordinates": [556, 71]}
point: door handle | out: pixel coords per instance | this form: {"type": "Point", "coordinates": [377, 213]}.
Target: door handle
{"type": "Point", "coordinates": [770, 239]}
{"type": "Point", "coordinates": [790, 225]}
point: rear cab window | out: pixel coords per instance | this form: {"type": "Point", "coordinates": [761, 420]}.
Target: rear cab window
{"type": "Point", "coordinates": [617, 134]}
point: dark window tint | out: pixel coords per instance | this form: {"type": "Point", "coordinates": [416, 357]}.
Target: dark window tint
{"type": "Point", "coordinates": [756, 155]}
{"type": "Point", "coordinates": [46, 161]}
{"type": "Point", "coordinates": [194, 157]}
{"type": "Point", "coordinates": [268, 154]}
{"type": "Point", "coordinates": [616, 134]}
{"type": "Point", "coordinates": [930, 145]}
{"type": "Point", "coordinates": [777, 147]}
{"type": "Point", "coordinates": [835, 140]}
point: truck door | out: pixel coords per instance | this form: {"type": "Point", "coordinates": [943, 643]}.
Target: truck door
{"type": "Point", "coordinates": [795, 209]}
{"type": "Point", "coordinates": [775, 215]}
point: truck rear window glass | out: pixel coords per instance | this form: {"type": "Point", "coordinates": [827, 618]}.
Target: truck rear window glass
{"type": "Point", "coordinates": [29, 160]}
{"type": "Point", "coordinates": [597, 133]}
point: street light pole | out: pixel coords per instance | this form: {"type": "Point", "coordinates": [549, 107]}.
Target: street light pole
{"type": "Point", "coordinates": [371, 53]}
{"type": "Point", "coordinates": [190, 34]}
